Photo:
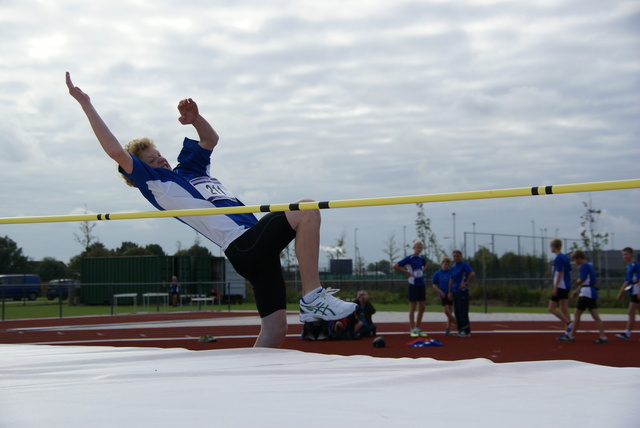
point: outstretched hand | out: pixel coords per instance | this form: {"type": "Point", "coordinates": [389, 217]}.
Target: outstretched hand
{"type": "Point", "coordinates": [188, 111]}
{"type": "Point", "coordinates": [76, 92]}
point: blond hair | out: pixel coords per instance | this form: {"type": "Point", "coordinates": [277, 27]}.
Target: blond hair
{"type": "Point", "coordinates": [135, 147]}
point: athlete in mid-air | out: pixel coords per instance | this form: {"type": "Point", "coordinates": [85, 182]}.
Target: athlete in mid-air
{"type": "Point", "coordinates": [252, 246]}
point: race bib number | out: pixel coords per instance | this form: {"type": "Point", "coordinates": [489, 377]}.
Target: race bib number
{"type": "Point", "coordinates": [211, 189]}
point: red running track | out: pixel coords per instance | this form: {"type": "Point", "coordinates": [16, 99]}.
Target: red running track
{"type": "Point", "coordinates": [501, 342]}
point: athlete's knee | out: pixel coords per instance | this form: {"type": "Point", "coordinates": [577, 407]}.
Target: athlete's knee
{"type": "Point", "coordinates": [308, 218]}
{"type": "Point", "coordinates": [310, 215]}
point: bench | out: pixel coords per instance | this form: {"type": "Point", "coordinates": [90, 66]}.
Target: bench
{"type": "Point", "coordinates": [200, 300]}
{"type": "Point", "coordinates": [146, 298]}
{"type": "Point", "coordinates": [123, 296]}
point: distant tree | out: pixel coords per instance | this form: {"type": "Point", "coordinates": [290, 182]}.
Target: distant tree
{"type": "Point", "coordinates": [74, 266]}
{"type": "Point", "coordinates": [155, 249]}
{"type": "Point", "coordinates": [391, 249]}
{"type": "Point", "coordinates": [125, 247]}
{"type": "Point", "coordinates": [50, 268]}
{"type": "Point", "coordinates": [381, 266]}
{"type": "Point", "coordinates": [11, 258]}
{"type": "Point", "coordinates": [486, 258]}
{"type": "Point", "coordinates": [97, 249]}
{"type": "Point", "coordinates": [592, 240]}
{"type": "Point", "coordinates": [532, 265]}
{"type": "Point", "coordinates": [338, 250]}
{"type": "Point", "coordinates": [288, 257]}
{"type": "Point", "coordinates": [137, 251]}
{"type": "Point", "coordinates": [510, 261]}
{"type": "Point", "coordinates": [432, 250]}
{"type": "Point", "coordinates": [194, 251]}
{"type": "Point", "coordinates": [86, 237]}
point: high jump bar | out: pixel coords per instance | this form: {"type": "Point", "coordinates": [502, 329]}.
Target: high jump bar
{"type": "Point", "coordinates": [345, 203]}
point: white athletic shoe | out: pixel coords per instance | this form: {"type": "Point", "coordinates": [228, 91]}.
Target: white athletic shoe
{"type": "Point", "coordinates": [326, 307]}
{"type": "Point", "coordinates": [569, 328]}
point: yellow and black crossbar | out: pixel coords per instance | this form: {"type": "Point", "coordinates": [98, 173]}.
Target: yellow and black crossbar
{"type": "Point", "coordinates": [345, 203]}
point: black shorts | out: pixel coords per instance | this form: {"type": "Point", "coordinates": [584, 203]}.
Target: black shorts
{"type": "Point", "coordinates": [445, 301]}
{"type": "Point", "coordinates": [417, 293]}
{"type": "Point", "coordinates": [585, 303]}
{"type": "Point", "coordinates": [256, 256]}
{"type": "Point", "coordinates": [634, 298]}
{"type": "Point", "coordinates": [562, 294]}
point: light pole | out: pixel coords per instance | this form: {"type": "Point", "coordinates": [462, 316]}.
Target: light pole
{"type": "Point", "coordinates": [454, 231]}
{"type": "Point", "coordinates": [474, 238]}
{"type": "Point", "coordinates": [533, 232]}
{"type": "Point", "coordinates": [485, 255]}
{"type": "Point", "coordinates": [404, 240]}
{"type": "Point", "coordinates": [355, 250]}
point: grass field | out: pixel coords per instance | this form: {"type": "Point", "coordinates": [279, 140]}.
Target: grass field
{"type": "Point", "coordinates": [42, 308]}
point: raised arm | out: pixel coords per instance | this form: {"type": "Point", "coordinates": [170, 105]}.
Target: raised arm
{"type": "Point", "coordinates": [189, 115]}
{"type": "Point", "coordinates": [107, 140]}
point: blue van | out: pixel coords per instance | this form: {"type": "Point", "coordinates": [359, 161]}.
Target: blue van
{"type": "Point", "coordinates": [18, 287]}
{"type": "Point", "coordinates": [60, 288]}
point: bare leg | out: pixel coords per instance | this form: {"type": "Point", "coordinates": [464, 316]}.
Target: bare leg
{"type": "Point", "coordinates": [633, 307]}
{"type": "Point", "coordinates": [420, 314]}
{"type": "Point", "coordinates": [306, 223]}
{"type": "Point", "coordinates": [412, 315]}
{"type": "Point", "coordinates": [553, 308]}
{"type": "Point", "coordinates": [596, 317]}
{"type": "Point", "coordinates": [338, 327]}
{"type": "Point", "coordinates": [564, 307]}
{"type": "Point", "coordinates": [576, 322]}
{"type": "Point", "coordinates": [273, 330]}
{"type": "Point", "coordinates": [357, 327]}
{"type": "Point", "coordinates": [451, 321]}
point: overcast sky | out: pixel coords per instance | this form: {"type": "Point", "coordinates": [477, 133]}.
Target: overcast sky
{"type": "Point", "coordinates": [328, 100]}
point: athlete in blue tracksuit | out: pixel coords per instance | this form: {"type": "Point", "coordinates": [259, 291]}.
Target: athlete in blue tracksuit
{"type": "Point", "coordinates": [461, 276]}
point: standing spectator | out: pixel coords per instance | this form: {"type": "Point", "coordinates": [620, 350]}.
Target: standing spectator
{"type": "Point", "coordinates": [440, 283]}
{"type": "Point", "coordinates": [413, 266]}
{"type": "Point", "coordinates": [561, 284]}
{"type": "Point", "coordinates": [364, 312]}
{"type": "Point", "coordinates": [588, 299]}
{"type": "Point", "coordinates": [461, 277]}
{"type": "Point", "coordinates": [632, 286]}
{"type": "Point", "coordinates": [174, 290]}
